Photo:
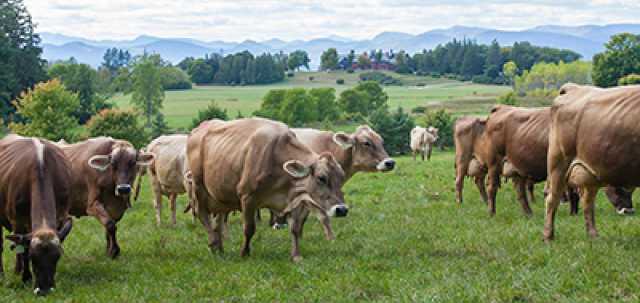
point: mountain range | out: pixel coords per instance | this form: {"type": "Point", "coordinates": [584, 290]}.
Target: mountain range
{"type": "Point", "coordinates": [586, 40]}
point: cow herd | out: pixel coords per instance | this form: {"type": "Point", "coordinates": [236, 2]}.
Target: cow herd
{"type": "Point", "coordinates": [588, 139]}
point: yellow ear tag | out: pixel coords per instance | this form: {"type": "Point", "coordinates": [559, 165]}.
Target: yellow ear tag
{"type": "Point", "coordinates": [20, 249]}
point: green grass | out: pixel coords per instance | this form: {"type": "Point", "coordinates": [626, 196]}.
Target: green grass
{"type": "Point", "coordinates": [181, 106]}
{"type": "Point", "coordinates": [405, 239]}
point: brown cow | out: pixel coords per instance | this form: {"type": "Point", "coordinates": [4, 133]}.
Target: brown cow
{"type": "Point", "coordinates": [103, 170]}
{"type": "Point", "coordinates": [361, 151]}
{"type": "Point", "coordinates": [249, 164]}
{"type": "Point", "coordinates": [34, 204]}
{"type": "Point", "coordinates": [592, 143]}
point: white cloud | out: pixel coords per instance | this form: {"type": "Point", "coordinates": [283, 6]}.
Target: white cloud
{"type": "Point", "coordinates": [304, 19]}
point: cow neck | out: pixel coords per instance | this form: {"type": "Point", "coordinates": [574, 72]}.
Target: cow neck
{"type": "Point", "coordinates": [344, 157]}
{"type": "Point", "coordinates": [43, 207]}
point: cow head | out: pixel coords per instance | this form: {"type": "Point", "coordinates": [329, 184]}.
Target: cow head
{"type": "Point", "coordinates": [322, 183]}
{"type": "Point", "coordinates": [122, 163]}
{"type": "Point", "coordinates": [434, 131]}
{"type": "Point", "coordinates": [367, 149]}
{"type": "Point", "coordinates": [45, 250]}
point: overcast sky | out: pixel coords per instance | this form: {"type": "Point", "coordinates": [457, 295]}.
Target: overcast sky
{"type": "Point", "coordinates": [237, 20]}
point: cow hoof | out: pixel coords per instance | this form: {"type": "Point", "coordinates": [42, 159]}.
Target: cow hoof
{"type": "Point", "coordinates": [278, 226]}
{"type": "Point", "coordinates": [626, 211]}
{"type": "Point", "coordinates": [296, 259]}
{"type": "Point", "coordinates": [114, 252]}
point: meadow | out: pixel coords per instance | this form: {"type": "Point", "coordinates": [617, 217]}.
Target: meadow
{"type": "Point", "coordinates": [405, 240]}
{"type": "Point", "coordinates": [464, 98]}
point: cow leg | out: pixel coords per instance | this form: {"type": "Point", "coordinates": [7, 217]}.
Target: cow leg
{"type": "Point", "coordinates": [172, 205]}
{"type": "Point", "coordinates": [97, 210]}
{"type": "Point", "coordinates": [531, 191]}
{"type": "Point", "coordinates": [215, 242]}
{"type": "Point", "coordinates": [588, 204]}
{"type": "Point", "coordinates": [494, 184]}
{"type": "Point", "coordinates": [520, 184]}
{"type": "Point", "coordinates": [26, 271]}
{"type": "Point", "coordinates": [326, 226]}
{"type": "Point", "coordinates": [249, 224]}
{"type": "Point", "coordinates": [422, 154]}
{"type": "Point", "coordinates": [574, 199]}
{"type": "Point", "coordinates": [296, 223]}
{"type": "Point", "coordinates": [480, 183]}
{"type": "Point", "coordinates": [429, 150]}
{"type": "Point", "coordinates": [157, 198]}
{"type": "Point", "coordinates": [556, 187]}
{"type": "Point", "coordinates": [258, 218]}
{"type": "Point", "coordinates": [461, 171]}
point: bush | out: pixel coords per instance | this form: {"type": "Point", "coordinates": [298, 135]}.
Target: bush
{"type": "Point", "coordinates": [508, 99]}
{"type": "Point", "coordinates": [311, 79]}
{"type": "Point", "coordinates": [159, 126]}
{"type": "Point", "coordinates": [482, 79]}
{"type": "Point", "coordinates": [435, 75]}
{"type": "Point", "coordinates": [290, 74]}
{"type": "Point", "coordinates": [380, 78]}
{"type": "Point", "coordinates": [174, 78]}
{"type": "Point", "coordinates": [629, 80]}
{"type": "Point", "coordinates": [118, 124]}
{"type": "Point", "coordinates": [365, 98]}
{"type": "Point", "coordinates": [350, 71]}
{"type": "Point", "coordinates": [47, 111]}
{"type": "Point", "coordinates": [324, 102]}
{"type": "Point", "coordinates": [394, 128]}
{"type": "Point", "coordinates": [340, 81]}
{"type": "Point", "coordinates": [444, 122]}
{"type": "Point", "coordinates": [419, 110]}
{"type": "Point", "coordinates": [213, 111]}
{"type": "Point", "coordinates": [297, 108]}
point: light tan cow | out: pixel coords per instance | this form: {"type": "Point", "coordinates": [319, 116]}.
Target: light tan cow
{"type": "Point", "coordinates": [593, 142]}
{"type": "Point", "coordinates": [255, 163]}
{"type": "Point", "coordinates": [167, 171]}
{"type": "Point", "coordinates": [423, 140]}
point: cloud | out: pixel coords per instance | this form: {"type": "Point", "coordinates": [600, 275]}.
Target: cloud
{"type": "Point", "coordinates": [304, 19]}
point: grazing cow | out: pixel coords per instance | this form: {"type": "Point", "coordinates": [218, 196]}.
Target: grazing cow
{"type": "Point", "coordinates": [592, 143]}
{"type": "Point", "coordinates": [361, 151]}
{"type": "Point", "coordinates": [103, 170]}
{"type": "Point", "coordinates": [422, 141]}
{"type": "Point", "coordinates": [249, 164]}
{"type": "Point", "coordinates": [167, 171]}
{"type": "Point", "coordinates": [34, 204]}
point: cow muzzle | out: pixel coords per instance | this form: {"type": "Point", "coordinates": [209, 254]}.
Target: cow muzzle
{"type": "Point", "coordinates": [387, 164]}
{"type": "Point", "coordinates": [338, 211]}
{"type": "Point", "coordinates": [123, 189]}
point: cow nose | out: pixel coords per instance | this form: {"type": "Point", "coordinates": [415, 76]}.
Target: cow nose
{"type": "Point", "coordinates": [341, 211]}
{"type": "Point", "coordinates": [123, 189]}
{"type": "Point", "coordinates": [389, 164]}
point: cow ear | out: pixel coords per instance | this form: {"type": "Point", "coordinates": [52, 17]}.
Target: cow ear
{"type": "Point", "coordinates": [296, 169]}
{"type": "Point", "coordinates": [64, 231]}
{"type": "Point", "coordinates": [100, 162]}
{"type": "Point", "coordinates": [145, 159]}
{"type": "Point", "coordinates": [343, 140]}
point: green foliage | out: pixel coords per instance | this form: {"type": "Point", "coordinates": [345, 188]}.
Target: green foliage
{"type": "Point", "coordinates": [394, 128]}
{"type": "Point", "coordinates": [353, 101]}
{"type": "Point", "coordinates": [118, 124]}
{"type": "Point", "coordinates": [48, 112]}
{"type": "Point", "coordinates": [508, 99]}
{"type": "Point", "coordinates": [545, 79]}
{"type": "Point", "coordinates": [298, 107]}
{"type": "Point", "coordinates": [329, 59]}
{"type": "Point", "coordinates": [200, 72]}
{"type": "Point", "coordinates": [213, 111]}
{"type": "Point", "coordinates": [340, 81]}
{"type": "Point", "coordinates": [379, 77]}
{"type": "Point", "coordinates": [159, 126]}
{"type": "Point", "coordinates": [114, 59]}
{"type": "Point", "coordinates": [510, 71]}
{"type": "Point", "coordinates": [174, 78]}
{"type": "Point", "coordinates": [20, 64]}
{"type": "Point", "coordinates": [148, 94]}
{"type": "Point", "coordinates": [402, 62]}
{"type": "Point", "coordinates": [444, 122]}
{"type": "Point", "coordinates": [365, 98]}
{"type": "Point", "coordinates": [298, 59]}
{"type": "Point", "coordinates": [239, 69]}
{"type": "Point", "coordinates": [621, 58]}
{"type": "Point", "coordinates": [364, 62]}
{"type": "Point", "coordinates": [324, 101]}
{"type": "Point", "coordinates": [83, 80]}
{"type": "Point", "coordinates": [631, 79]}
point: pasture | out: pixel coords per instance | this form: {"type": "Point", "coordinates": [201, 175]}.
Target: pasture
{"type": "Point", "coordinates": [405, 239]}
{"type": "Point", "coordinates": [465, 98]}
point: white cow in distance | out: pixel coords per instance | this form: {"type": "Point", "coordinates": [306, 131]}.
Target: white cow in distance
{"type": "Point", "coordinates": [422, 141]}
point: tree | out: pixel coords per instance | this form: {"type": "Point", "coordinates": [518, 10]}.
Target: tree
{"type": "Point", "coordinates": [324, 101]}
{"type": "Point", "coordinates": [20, 64]}
{"type": "Point", "coordinates": [200, 72]}
{"type": "Point", "coordinates": [159, 126]}
{"type": "Point", "coordinates": [48, 112]}
{"type": "Point", "coordinates": [632, 79]}
{"type": "Point", "coordinates": [297, 108]}
{"type": "Point", "coordinates": [444, 122]}
{"type": "Point", "coordinates": [545, 79]}
{"type": "Point", "coordinates": [353, 101]}
{"type": "Point", "coordinates": [374, 95]}
{"type": "Point", "coordinates": [298, 59]}
{"type": "Point", "coordinates": [329, 59]}
{"type": "Point", "coordinates": [402, 63]}
{"type": "Point", "coordinates": [147, 89]}
{"type": "Point", "coordinates": [213, 111]}
{"type": "Point", "coordinates": [510, 71]}
{"type": "Point", "coordinates": [351, 58]}
{"type": "Point", "coordinates": [364, 62]}
{"type": "Point", "coordinates": [118, 124]}
{"type": "Point", "coordinates": [621, 58]}
{"type": "Point", "coordinates": [271, 104]}
{"type": "Point", "coordinates": [115, 58]}
{"type": "Point", "coordinates": [174, 78]}
{"type": "Point", "coordinates": [83, 80]}
{"type": "Point", "coordinates": [394, 128]}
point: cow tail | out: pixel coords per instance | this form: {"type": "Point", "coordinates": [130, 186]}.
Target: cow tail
{"type": "Point", "coordinates": [138, 184]}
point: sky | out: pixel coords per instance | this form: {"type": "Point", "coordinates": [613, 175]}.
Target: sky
{"type": "Point", "coordinates": [238, 20]}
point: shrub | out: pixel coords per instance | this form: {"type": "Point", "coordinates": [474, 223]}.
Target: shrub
{"type": "Point", "coordinates": [444, 122]}
{"type": "Point", "coordinates": [394, 128]}
{"type": "Point", "coordinates": [482, 79]}
{"type": "Point", "coordinates": [311, 79]}
{"type": "Point", "coordinates": [324, 101]}
{"type": "Point", "coordinates": [159, 126]}
{"type": "Point", "coordinates": [297, 108]}
{"type": "Point", "coordinates": [380, 78]}
{"type": "Point", "coordinates": [213, 111]}
{"type": "Point", "coordinates": [340, 81]}
{"type": "Point", "coordinates": [47, 111]}
{"type": "Point", "coordinates": [508, 99]}
{"type": "Point", "coordinates": [271, 103]}
{"type": "Point", "coordinates": [350, 71]}
{"type": "Point", "coordinates": [118, 124]}
{"type": "Point", "coordinates": [174, 78]}
{"type": "Point", "coordinates": [353, 101]}
{"type": "Point", "coordinates": [421, 84]}
{"type": "Point", "coordinates": [419, 110]}
{"type": "Point", "coordinates": [629, 80]}
{"type": "Point", "coordinates": [290, 74]}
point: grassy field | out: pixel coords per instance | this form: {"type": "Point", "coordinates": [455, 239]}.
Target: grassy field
{"type": "Point", "coordinates": [181, 106]}
{"type": "Point", "coordinates": [405, 240]}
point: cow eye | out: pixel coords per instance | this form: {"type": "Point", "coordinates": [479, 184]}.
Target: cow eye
{"type": "Point", "coordinates": [367, 144]}
{"type": "Point", "coordinates": [323, 179]}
